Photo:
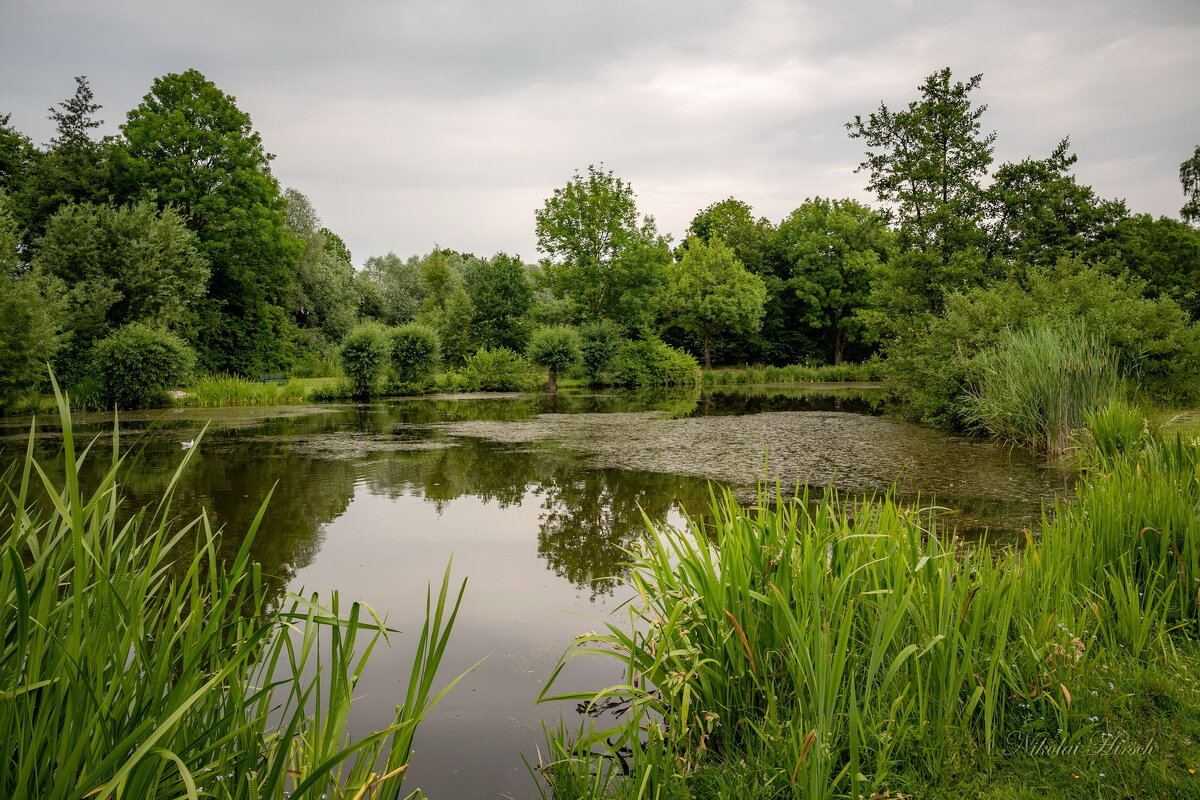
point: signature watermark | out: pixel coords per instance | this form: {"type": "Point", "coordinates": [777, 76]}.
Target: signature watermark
{"type": "Point", "coordinates": [1091, 745]}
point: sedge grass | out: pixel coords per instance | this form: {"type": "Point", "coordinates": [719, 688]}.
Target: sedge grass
{"type": "Point", "coordinates": [828, 650]}
{"type": "Point", "coordinates": [139, 662]}
{"type": "Point", "coordinates": [225, 390]}
{"type": "Point", "coordinates": [1038, 386]}
{"type": "Point", "coordinates": [795, 373]}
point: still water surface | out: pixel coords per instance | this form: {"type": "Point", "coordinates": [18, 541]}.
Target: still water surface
{"type": "Point", "coordinates": [534, 498]}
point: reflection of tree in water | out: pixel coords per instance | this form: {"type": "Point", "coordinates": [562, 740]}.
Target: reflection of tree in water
{"type": "Point", "coordinates": [589, 516]}
{"type": "Point", "coordinates": [230, 487]}
{"type": "Point", "coordinates": [592, 518]}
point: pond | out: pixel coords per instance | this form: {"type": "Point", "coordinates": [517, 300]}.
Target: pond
{"type": "Point", "coordinates": [533, 498]}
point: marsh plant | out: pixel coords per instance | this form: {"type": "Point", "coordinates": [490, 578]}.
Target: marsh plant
{"type": "Point", "coordinates": [831, 649]}
{"type": "Point", "coordinates": [147, 658]}
{"type": "Point", "coordinates": [1038, 386]}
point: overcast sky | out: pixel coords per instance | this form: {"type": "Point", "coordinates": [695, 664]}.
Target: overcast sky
{"type": "Point", "coordinates": [410, 123]}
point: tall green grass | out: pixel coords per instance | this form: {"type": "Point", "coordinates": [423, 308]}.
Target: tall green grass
{"type": "Point", "coordinates": [1037, 387]}
{"type": "Point", "coordinates": [226, 390]}
{"type": "Point", "coordinates": [795, 373]}
{"type": "Point", "coordinates": [837, 649]}
{"type": "Point", "coordinates": [142, 660]}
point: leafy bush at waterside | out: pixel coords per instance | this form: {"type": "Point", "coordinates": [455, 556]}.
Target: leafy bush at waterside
{"type": "Point", "coordinates": [137, 363]}
{"type": "Point", "coordinates": [599, 343]}
{"type": "Point", "coordinates": [142, 658]}
{"type": "Point", "coordinates": [933, 361]}
{"type": "Point", "coordinates": [653, 363]}
{"type": "Point", "coordinates": [498, 370]}
{"type": "Point", "coordinates": [832, 649]}
{"type": "Point", "coordinates": [364, 354]}
{"type": "Point", "coordinates": [416, 352]}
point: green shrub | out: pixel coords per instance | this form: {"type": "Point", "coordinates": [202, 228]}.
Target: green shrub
{"type": "Point", "coordinates": [341, 390]}
{"type": "Point", "coordinates": [452, 383]}
{"type": "Point", "coordinates": [29, 316]}
{"type": "Point", "coordinates": [931, 362]}
{"type": "Point", "coordinates": [1038, 385]}
{"type": "Point", "coordinates": [556, 348]}
{"type": "Point", "coordinates": [653, 363]}
{"type": "Point", "coordinates": [599, 343]}
{"type": "Point", "coordinates": [499, 370]}
{"type": "Point", "coordinates": [137, 363]}
{"type": "Point", "coordinates": [415, 352]}
{"type": "Point", "coordinates": [364, 355]}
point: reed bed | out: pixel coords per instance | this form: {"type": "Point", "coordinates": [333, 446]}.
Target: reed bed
{"type": "Point", "coordinates": [795, 373]}
{"type": "Point", "coordinates": [828, 650]}
{"type": "Point", "coordinates": [1037, 388]}
{"type": "Point", "coordinates": [226, 390]}
{"type": "Point", "coordinates": [142, 659]}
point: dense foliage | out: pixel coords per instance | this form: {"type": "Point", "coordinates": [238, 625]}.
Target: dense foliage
{"type": "Point", "coordinates": [415, 352]}
{"type": "Point", "coordinates": [178, 223]}
{"type": "Point", "coordinates": [137, 363]}
{"type": "Point", "coordinates": [364, 356]}
{"type": "Point", "coordinates": [557, 349]}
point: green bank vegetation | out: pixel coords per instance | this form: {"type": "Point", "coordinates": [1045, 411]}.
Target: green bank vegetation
{"type": "Point", "coordinates": [146, 657]}
{"type": "Point", "coordinates": [851, 649]}
{"type": "Point", "coordinates": [101, 234]}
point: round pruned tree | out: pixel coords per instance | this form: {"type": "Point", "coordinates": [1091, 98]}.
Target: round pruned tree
{"type": "Point", "coordinates": [557, 348]}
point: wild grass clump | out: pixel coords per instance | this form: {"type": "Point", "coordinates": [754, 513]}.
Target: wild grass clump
{"type": "Point", "coordinates": [1038, 386]}
{"type": "Point", "coordinates": [825, 650]}
{"type": "Point", "coordinates": [795, 373]}
{"type": "Point", "coordinates": [227, 390]}
{"type": "Point", "coordinates": [140, 659]}
{"type": "Point", "coordinates": [498, 370]}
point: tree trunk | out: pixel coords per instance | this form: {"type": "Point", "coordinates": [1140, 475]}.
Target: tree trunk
{"type": "Point", "coordinates": [839, 345]}
{"type": "Point", "coordinates": [553, 387]}
{"type": "Point", "coordinates": [707, 354]}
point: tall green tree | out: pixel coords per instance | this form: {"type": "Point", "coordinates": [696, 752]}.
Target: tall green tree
{"type": "Point", "coordinates": [17, 156]}
{"type": "Point", "coordinates": [191, 147]}
{"type": "Point", "coordinates": [604, 257]}
{"type": "Point", "coordinates": [29, 318]}
{"type": "Point", "coordinates": [438, 279]}
{"type": "Point", "coordinates": [733, 222]}
{"type": "Point", "coordinates": [1163, 252]}
{"type": "Point", "coordinates": [834, 248]}
{"type": "Point", "coordinates": [76, 167]}
{"type": "Point", "coordinates": [710, 292]}
{"type": "Point", "coordinates": [121, 265]}
{"type": "Point", "coordinates": [783, 337]}
{"type": "Point", "coordinates": [455, 326]}
{"type": "Point", "coordinates": [323, 296]}
{"type": "Point", "coordinates": [390, 288]}
{"type": "Point", "coordinates": [1189, 177]}
{"type": "Point", "coordinates": [926, 163]}
{"type": "Point", "coordinates": [1039, 213]}
{"type": "Point", "coordinates": [502, 295]}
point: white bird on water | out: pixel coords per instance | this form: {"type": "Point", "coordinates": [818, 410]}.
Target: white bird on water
{"type": "Point", "coordinates": [187, 445]}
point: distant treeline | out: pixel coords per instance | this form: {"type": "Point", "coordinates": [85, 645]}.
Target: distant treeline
{"type": "Point", "coordinates": [177, 226]}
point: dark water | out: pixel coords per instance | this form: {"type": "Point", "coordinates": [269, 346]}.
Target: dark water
{"type": "Point", "coordinates": [534, 499]}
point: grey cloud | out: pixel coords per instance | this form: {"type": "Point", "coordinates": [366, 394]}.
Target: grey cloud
{"type": "Point", "coordinates": [408, 123]}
